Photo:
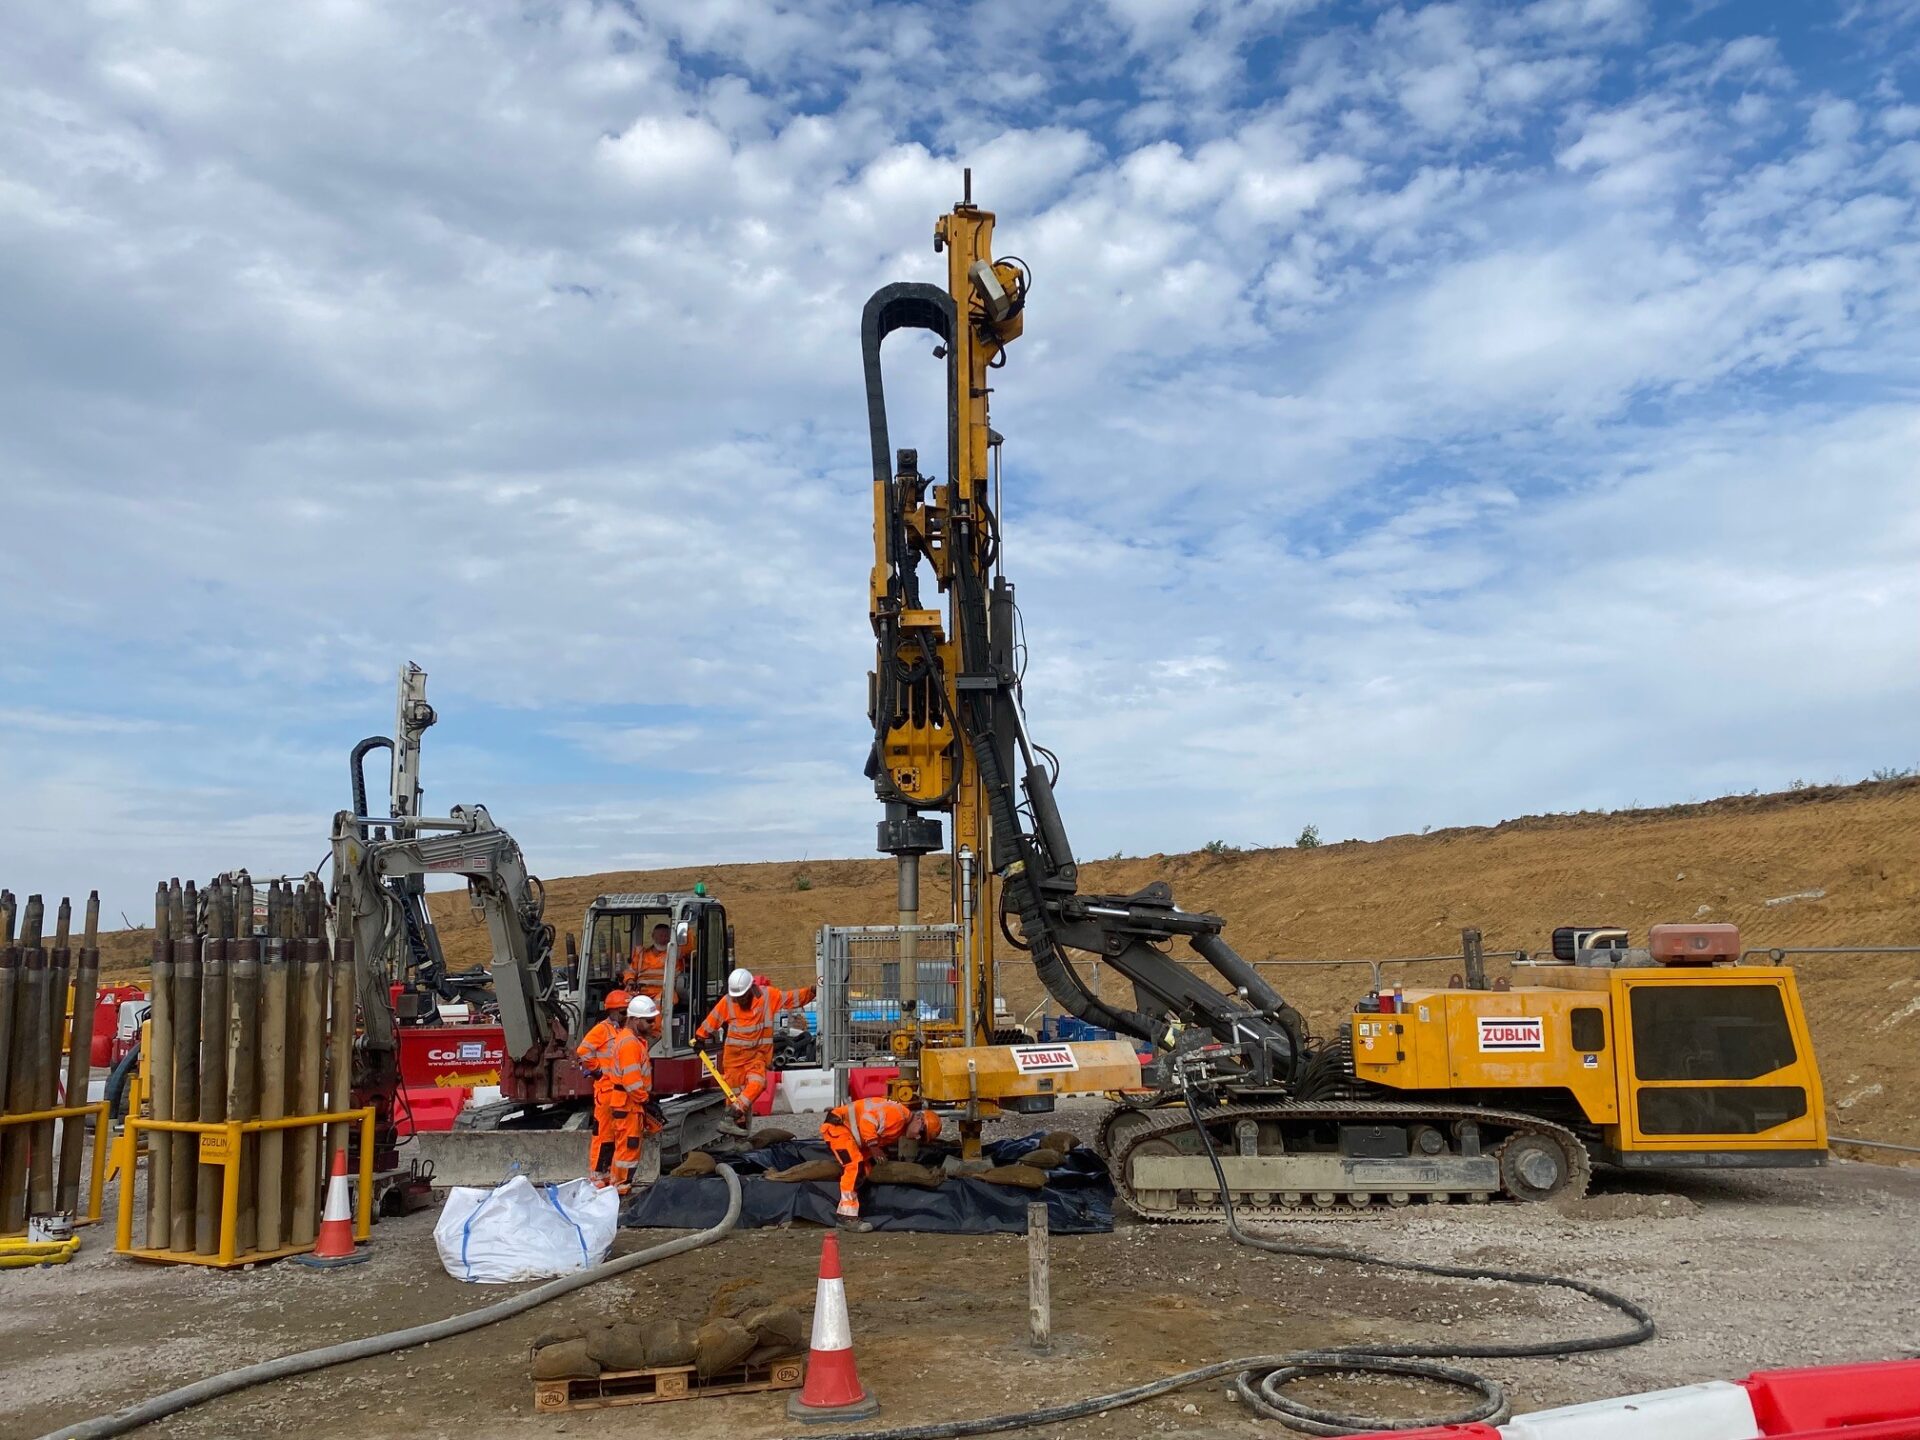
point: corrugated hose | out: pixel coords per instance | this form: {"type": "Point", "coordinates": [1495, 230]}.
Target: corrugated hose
{"type": "Point", "coordinates": [307, 1360]}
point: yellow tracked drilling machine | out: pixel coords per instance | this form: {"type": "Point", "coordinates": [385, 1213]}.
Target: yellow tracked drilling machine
{"type": "Point", "coordinates": [1674, 1055]}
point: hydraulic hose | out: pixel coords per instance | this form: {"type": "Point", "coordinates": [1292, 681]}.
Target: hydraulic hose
{"type": "Point", "coordinates": [308, 1360]}
{"type": "Point", "coordinates": [1259, 1380]}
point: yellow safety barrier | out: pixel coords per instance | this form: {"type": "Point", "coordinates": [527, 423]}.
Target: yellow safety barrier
{"type": "Point", "coordinates": [220, 1145]}
{"type": "Point", "coordinates": [102, 1141]}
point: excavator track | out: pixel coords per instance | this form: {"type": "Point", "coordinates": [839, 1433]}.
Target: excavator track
{"type": "Point", "coordinates": [1129, 1134]}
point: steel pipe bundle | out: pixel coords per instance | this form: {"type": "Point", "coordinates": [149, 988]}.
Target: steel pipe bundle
{"type": "Point", "coordinates": [40, 1159]}
{"type": "Point", "coordinates": [241, 1023]}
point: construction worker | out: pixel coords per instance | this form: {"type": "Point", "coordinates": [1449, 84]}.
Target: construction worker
{"type": "Point", "coordinates": [647, 966]}
{"type": "Point", "coordinates": [860, 1133]}
{"type": "Point", "coordinates": [633, 1115]}
{"type": "Point", "coordinates": [746, 1012]}
{"type": "Point", "coordinates": [594, 1052]}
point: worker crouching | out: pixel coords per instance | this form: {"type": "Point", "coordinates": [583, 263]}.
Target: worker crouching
{"type": "Point", "coordinates": [862, 1132]}
{"type": "Point", "coordinates": [746, 1013]}
{"type": "Point", "coordinates": [633, 1117]}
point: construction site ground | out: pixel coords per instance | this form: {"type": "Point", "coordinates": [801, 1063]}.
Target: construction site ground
{"type": "Point", "coordinates": [1742, 1270]}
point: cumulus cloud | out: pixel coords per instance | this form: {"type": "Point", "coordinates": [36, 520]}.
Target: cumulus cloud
{"type": "Point", "coordinates": [1425, 414]}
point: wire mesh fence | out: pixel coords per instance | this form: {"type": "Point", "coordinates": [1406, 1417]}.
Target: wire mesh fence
{"type": "Point", "coordinates": [862, 969]}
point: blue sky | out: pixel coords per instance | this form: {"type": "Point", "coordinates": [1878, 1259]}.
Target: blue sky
{"type": "Point", "coordinates": [1427, 413]}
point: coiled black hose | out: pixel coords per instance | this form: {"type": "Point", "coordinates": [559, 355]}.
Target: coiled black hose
{"type": "Point", "coordinates": [1260, 1380]}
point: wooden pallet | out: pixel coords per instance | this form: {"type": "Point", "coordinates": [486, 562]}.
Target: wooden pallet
{"type": "Point", "coordinates": [672, 1382]}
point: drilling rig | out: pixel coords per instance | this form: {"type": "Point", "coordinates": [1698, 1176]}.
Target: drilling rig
{"type": "Point", "coordinates": [1673, 1055]}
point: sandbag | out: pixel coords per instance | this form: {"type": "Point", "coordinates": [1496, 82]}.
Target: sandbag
{"type": "Point", "coordinates": [736, 1298]}
{"type": "Point", "coordinates": [566, 1361]}
{"type": "Point", "coordinates": [620, 1346]}
{"type": "Point", "coordinates": [520, 1231]}
{"type": "Point", "coordinates": [1059, 1140]}
{"type": "Point", "coordinates": [767, 1354]}
{"type": "Point", "coordinates": [806, 1170]}
{"type": "Point", "coordinates": [671, 1342]}
{"type": "Point", "coordinates": [899, 1172]}
{"type": "Point", "coordinates": [1024, 1176]}
{"type": "Point", "coordinates": [776, 1325]}
{"type": "Point", "coordinates": [772, 1135]}
{"type": "Point", "coordinates": [720, 1346]}
{"type": "Point", "coordinates": [557, 1334]}
{"type": "Point", "coordinates": [697, 1164]}
{"type": "Point", "coordinates": [1042, 1159]}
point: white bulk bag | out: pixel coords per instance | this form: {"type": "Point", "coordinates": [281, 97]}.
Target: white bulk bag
{"type": "Point", "coordinates": [523, 1231]}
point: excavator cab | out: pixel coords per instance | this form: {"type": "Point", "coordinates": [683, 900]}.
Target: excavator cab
{"type": "Point", "coordinates": [699, 954]}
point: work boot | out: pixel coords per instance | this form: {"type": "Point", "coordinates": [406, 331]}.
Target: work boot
{"type": "Point", "coordinates": [853, 1223]}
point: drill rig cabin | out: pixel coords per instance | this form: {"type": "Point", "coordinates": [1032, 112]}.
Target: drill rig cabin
{"type": "Point", "coordinates": [1672, 1056]}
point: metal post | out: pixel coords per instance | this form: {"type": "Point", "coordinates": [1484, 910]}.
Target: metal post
{"type": "Point", "coordinates": [43, 1188]}
{"type": "Point", "coordinates": [271, 1204]}
{"type": "Point", "coordinates": [186, 1079]}
{"type": "Point", "coordinates": [340, 1041]}
{"type": "Point", "coordinates": [9, 986]}
{"type": "Point", "coordinates": [305, 1168]}
{"type": "Point", "coordinates": [967, 989]}
{"type": "Point", "coordinates": [29, 1010]}
{"type": "Point", "coordinates": [1476, 960]}
{"type": "Point", "coordinates": [243, 1068]}
{"type": "Point", "coordinates": [159, 1043]}
{"type": "Point", "coordinates": [209, 1179]}
{"type": "Point", "coordinates": [86, 994]}
{"type": "Point", "coordinates": [1039, 1280]}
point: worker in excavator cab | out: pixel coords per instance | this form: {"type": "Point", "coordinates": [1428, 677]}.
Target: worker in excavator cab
{"type": "Point", "coordinates": [862, 1132]}
{"type": "Point", "coordinates": [746, 1013]}
{"type": "Point", "coordinates": [594, 1052]}
{"type": "Point", "coordinates": [634, 1115]}
{"type": "Point", "coordinates": [647, 966]}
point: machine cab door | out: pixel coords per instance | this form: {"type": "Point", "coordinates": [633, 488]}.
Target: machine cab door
{"type": "Point", "coordinates": [698, 961]}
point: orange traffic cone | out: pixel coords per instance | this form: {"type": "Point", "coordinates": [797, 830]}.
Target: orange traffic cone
{"type": "Point", "coordinates": [335, 1247]}
{"type": "Point", "coordinates": [833, 1390]}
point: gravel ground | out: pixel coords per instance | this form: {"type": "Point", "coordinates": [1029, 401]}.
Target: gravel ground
{"type": "Point", "coordinates": [1742, 1270]}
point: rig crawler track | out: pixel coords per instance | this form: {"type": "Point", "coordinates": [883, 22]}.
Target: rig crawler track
{"type": "Point", "coordinates": [1160, 1169]}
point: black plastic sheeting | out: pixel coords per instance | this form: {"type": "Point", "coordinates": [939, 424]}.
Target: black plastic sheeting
{"type": "Point", "coordinates": [1078, 1196]}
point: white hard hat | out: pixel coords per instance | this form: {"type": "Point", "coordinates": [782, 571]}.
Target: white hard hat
{"type": "Point", "coordinates": [643, 1006]}
{"type": "Point", "coordinates": [739, 982]}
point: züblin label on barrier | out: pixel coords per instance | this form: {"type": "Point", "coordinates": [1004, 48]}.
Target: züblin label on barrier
{"type": "Point", "coordinates": [1524, 1033]}
{"type": "Point", "coordinates": [1031, 1059]}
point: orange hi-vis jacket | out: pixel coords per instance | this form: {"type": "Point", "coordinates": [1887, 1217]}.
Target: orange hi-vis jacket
{"type": "Point", "coordinates": [647, 968]}
{"type": "Point", "coordinates": [629, 1067]}
{"type": "Point", "coordinates": [750, 1027]}
{"type": "Point", "coordinates": [873, 1124]}
{"type": "Point", "coordinates": [596, 1048]}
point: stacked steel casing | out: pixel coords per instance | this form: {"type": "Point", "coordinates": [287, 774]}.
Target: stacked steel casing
{"type": "Point", "coordinates": [240, 1031]}
{"type": "Point", "coordinates": [40, 1160]}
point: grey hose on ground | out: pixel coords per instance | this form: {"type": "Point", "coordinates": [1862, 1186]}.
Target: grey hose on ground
{"type": "Point", "coordinates": [216, 1385]}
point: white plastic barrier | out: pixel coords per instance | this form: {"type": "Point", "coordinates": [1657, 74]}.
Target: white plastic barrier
{"type": "Point", "coordinates": [803, 1090]}
{"type": "Point", "coordinates": [1716, 1410]}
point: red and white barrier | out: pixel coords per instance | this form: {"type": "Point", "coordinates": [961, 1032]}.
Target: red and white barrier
{"type": "Point", "coordinates": [1878, 1400]}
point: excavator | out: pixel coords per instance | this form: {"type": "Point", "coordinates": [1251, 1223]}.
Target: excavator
{"type": "Point", "coordinates": [1670, 1055]}
{"type": "Point", "coordinates": [380, 867]}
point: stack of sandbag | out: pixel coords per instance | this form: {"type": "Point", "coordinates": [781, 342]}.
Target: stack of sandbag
{"type": "Point", "coordinates": [720, 1344]}
{"type": "Point", "coordinates": [1029, 1172]}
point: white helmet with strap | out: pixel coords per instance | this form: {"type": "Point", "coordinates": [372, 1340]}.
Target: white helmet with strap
{"type": "Point", "coordinates": [739, 982]}
{"type": "Point", "coordinates": [644, 1006]}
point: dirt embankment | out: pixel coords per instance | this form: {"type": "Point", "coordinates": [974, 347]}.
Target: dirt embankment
{"type": "Point", "coordinates": [1842, 863]}
{"type": "Point", "coordinates": [1857, 846]}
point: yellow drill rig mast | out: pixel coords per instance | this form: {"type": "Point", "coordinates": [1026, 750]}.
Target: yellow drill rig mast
{"type": "Point", "coordinates": [944, 701]}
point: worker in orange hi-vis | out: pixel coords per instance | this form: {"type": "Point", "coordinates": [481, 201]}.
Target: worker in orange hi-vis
{"type": "Point", "coordinates": [860, 1133]}
{"type": "Point", "coordinates": [746, 1012]}
{"type": "Point", "coordinates": [634, 1115]}
{"type": "Point", "coordinates": [593, 1053]}
{"type": "Point", "coordinates": [647, 966]}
